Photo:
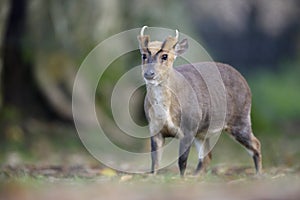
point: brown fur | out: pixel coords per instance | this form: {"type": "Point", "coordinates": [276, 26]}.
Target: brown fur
{"type": "Point", "coordinates": [177, 103]}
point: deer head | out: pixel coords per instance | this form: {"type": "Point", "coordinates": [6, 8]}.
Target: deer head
{"type": "Point", "coordinates": [158, 57]}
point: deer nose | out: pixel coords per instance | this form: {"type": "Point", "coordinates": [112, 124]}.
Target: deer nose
{"type": "Point", "coordinates": [149, 74]}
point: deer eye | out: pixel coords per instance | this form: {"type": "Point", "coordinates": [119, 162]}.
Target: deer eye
{"type": "Point", "coordinates": [144, 56]}
{"type": "Point", "coordinates": [164, 57]}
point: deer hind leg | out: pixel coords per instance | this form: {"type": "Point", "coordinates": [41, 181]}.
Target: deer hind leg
{"type": "Point", "coordinates": [246, 138]}
{"type": "Point", "coordinates": [204, 155]}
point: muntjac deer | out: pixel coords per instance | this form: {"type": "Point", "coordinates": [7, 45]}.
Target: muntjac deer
{"type": "Point", "coordinates": [171, 109]}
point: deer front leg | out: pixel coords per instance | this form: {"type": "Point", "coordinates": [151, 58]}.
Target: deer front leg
{"type": "Point", "coordinates": [157, 143]}
{"type": "Point", "coordinates": [184, 150]}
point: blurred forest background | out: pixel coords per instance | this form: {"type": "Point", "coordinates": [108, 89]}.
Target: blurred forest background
{"type": "Point", "coordinates": [44, 42]}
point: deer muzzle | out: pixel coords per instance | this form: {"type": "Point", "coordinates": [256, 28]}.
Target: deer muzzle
{"type": "Point", "coordinates": [149, 73]}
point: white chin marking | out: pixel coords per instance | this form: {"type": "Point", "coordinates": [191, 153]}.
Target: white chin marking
{"type": "Point", "coordinates": [152, 82]}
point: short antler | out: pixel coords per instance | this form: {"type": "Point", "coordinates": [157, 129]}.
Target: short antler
{"type": "Point", "coordinates": [143, 29]}
{"type": "Point", "coordinates": [177, 34]}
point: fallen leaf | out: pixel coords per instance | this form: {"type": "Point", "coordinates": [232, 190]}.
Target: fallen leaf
{"type": "Point", "coordinates": [125, 178]}
{"type": "Point", "coordinates": [108, 172]}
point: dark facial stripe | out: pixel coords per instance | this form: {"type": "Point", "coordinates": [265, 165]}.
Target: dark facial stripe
{"type": "Point", "coordinates": [148, 51]}
{"type": "Point", "coordinates": [158, 52]}
{"type": "Point", "coordinates": [163, 44]}
{"type": "Point", "coordinates": [161, 49]}
{"type": "Point", "coordinates": [151, 59]}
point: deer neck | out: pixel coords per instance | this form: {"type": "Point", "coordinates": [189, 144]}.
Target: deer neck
{"type": "Point", "coordinates": [161, 93]}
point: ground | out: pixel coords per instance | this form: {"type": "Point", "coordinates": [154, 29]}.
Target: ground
{"type": "Point", "coordinates": [82, 182]}
{"type": "Point", "coordinates": [231, 175]}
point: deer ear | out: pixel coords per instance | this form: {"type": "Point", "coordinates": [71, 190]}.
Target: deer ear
{"type": "Point", "coordinates": [181, 47]}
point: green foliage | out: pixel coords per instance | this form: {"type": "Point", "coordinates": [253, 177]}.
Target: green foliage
{"type": "Point", "coordinates": [276, 98]}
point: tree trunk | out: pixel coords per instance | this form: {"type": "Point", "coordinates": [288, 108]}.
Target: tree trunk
{"type": "Point", "coordinates": [21, 97]}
